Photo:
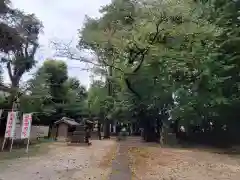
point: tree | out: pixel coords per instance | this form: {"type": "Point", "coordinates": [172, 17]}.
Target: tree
{"type": "Point", "coordinates": [13, 30]}
{"type": "Point", "coordinates": [76, 86]}
{"type": "Point", "coordinates": [97, 94]}
{"type": "Point", "coordinates": [10, 40]}
{"type": "Point", "coordinates": [159, 49]}
{"type": "Point", "coordinates": [98, 36]}
{"type": "Point", "coordinates": [18, 44]}
{"type": "Point", "coordinates": [76, 105]}
{"type": "Point", "coordinates": [51, 94]}
{"type": "Point", "coordinates": [37, 95]}
{"type": "Point", "coordinates": [19, 54]}
{"type": "Point", "coordinates": [56, 72]}
{"type": "Point", "coordinates": [21, 60]}
{"type": "Point", "coordinates": [164, 60]}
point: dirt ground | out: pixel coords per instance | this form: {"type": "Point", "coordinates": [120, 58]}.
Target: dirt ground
{"type": "Point", "coordinates": [63, 162]}
{"type": "Point", "coordinates": [146, 161]}
{"type": "Point", "coordinates": [149, 162]}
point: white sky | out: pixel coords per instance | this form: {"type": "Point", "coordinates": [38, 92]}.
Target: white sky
{"type": "Point", "coordinates": [61, 20]}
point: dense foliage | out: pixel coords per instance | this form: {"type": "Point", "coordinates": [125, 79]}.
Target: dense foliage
{"type": "Point", "coordinates": [174, 60]}
{"type": "Point", "coordinates": [159, 62]}
{"type": "Point", "coordinates": [51, 94]}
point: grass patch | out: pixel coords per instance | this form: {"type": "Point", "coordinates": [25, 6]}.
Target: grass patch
{"type": "Point", "coordinates": [37, 148]}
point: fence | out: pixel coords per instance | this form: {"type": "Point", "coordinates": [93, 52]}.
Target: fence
{"type": "Point", "coordinates": [36, 131]}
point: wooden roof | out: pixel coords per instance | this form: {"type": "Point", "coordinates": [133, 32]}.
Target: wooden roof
{"type": "Point", "coordinates": [68, 121]}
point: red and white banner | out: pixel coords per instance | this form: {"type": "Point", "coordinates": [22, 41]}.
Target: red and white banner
{"type": "Point", "coordinates": [11, 124]}
{"type": "Point", "coordinates": [26, 126]}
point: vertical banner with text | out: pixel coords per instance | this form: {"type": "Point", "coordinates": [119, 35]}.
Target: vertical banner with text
{"type": "Point", "coordinates": [11, 124]}
{"type": "Point", "coordinates": [26, 126]}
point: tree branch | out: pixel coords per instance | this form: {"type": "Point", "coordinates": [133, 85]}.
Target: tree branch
{"type": "Point", "coordinates": [26, 50]}
{"type": "Point", "coordinates": [141, 62]}
{"type": "Point", "coordinates": [9, 71]}
{"type": "Point", "coordinates": [131, 89]}
{"type": "Point", "coordinates": [34, 50]}
{"type": "Point", "coordinates": [65, 51]}
{"type": "Point", "coordinates": [143, 54]}
{"type": "Point", "coordinates": [157, 31]}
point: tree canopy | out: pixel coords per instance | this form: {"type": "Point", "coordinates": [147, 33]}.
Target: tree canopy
{"type": "Point", "coordinates": [158, 61]}
{"type": "Point", "coordinates": [178, 58]}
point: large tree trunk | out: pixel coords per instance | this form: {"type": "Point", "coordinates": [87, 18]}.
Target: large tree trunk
{"type": "Point", "coordinates": [106, 122]}
{"type": "Point", "coordinates": [106, 129]}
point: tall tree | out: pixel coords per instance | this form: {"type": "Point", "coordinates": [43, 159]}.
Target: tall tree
{"type": "Point", "coordinates": [18, 42]}
{"type": "Point", "coordinates": [57, 76]}
{"type": "Point", "coordinates": [22, 60]}
{"type": "Point", "coordinates": [52, 94]}
{"type": "Point", "coordinates": [162, 48]}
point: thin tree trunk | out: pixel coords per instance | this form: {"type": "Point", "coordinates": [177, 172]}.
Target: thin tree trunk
{"type": "Point", "coordinates": [162, 135]}
{"type": "Point", "coordinates": [158, 135]}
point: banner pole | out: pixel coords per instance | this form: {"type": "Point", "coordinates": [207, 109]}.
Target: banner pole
{"type": "Point", "coordinates": [27, 145]}
{"type": "Point", "coordinates": [1, 112]}
{"type": "Point", "coordinates": [11, 145]}
{"type": "Point", "coordinates": [3, 144]}
{"type": "Point", "coordinates": [13, 106]}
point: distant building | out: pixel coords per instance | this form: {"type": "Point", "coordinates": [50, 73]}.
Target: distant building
{"type": "Point", "coordinates": [64, 128]}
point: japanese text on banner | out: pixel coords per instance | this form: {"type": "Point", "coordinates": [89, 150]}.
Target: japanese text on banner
{"type": "Point", "coordinates": [26, 126]}
{"type": "Point", "coordinates": [11, 124]}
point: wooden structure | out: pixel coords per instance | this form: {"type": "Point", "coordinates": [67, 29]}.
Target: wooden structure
{"type": "Point", "coordinates": [79, 135]}
{"type": "Point", "coordinates": [82, 132]}
{"type": "Point", "coordinates": [65, 128]}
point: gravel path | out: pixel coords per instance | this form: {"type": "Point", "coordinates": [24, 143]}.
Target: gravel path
{"type": "Point", "coordinates": [120, 166]}
{"type": "Point", "coordinates": [62, 162]}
